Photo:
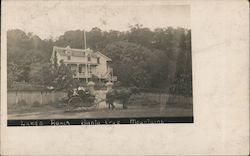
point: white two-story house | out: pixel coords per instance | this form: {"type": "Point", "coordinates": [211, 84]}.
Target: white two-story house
{"type": "Point", "coordinates": [85, 63]}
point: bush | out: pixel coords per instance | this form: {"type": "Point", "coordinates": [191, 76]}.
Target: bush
{"type": "Point", "coordinates": [22, 103]}
{"type": "Point", "coordinates": [36, 104]}
{"type": "Point", "coordinates": [58, 104]}
{"type": "Point", "coordinates": [20, 106]}
{"type": "Point", "coordinates": [99, 85]}
{"type": "Point", "coordinates": [142, 100]}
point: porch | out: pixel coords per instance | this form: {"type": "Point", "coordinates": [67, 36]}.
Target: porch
{"type": "Point", "coordinates": [87, 71]}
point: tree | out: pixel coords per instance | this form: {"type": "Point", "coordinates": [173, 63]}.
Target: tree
{"type": "Point", "coordinates": [22, 51]}
{"type": "Point", "coordinates": [137, 65]}
{"type": "Point", "coordinates": [140, 35]}
{"type": "Point", "coordinates": [60, 78]}
{"type": "Point", "coordinates": [72, 38]}
{"type": "Point", "coordinates": [183, 78]}
{"type": "Point", "coordinates": [95, 39]}
{"type": "Point", "coordinates": [146, 58]}
{"type": "Point", "coordinates": [63, 77]}
{"type": "Point", "coordinates": [43, 75]}
{"type": "Point", "coordinates": [12, 73]}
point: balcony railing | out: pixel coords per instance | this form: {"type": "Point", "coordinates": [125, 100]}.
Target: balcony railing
{"type": "Point", "coordinates": [107, 76]}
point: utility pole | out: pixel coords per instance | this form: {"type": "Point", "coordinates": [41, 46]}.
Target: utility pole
{"type": "Point", "coordinates": [85, 42]}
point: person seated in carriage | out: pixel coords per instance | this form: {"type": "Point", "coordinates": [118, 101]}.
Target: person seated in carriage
{"type": "Point", "coordinates": [72, 92]}
{"type": "Point", "coordinates": [81, 93]}
{"type": "Point", "coordinates": [75, 92]}
{"type": "Point", "coordinates": [80, 98]}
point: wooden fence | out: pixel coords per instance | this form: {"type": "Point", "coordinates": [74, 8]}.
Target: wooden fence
{"type": "Point", "coordinates": [164, 98]}
{"type": "Point", "coordinates": [31, 97]}
{"type": "Point", "coordinates": [47, 97]}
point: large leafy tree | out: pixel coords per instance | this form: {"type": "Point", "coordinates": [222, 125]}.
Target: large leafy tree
{"type": "Point", "coordinates": [60, 77]}
{"type": "Point", "coordinates": [183, 78]}
{"type": "Point", "coordinates": [23, 50]}
{"type": "Point", "coordinates": [74, 39]}
{"type": "Point", "coordinates": [63, 77]}
{"type": "Point", "coordinates": [137, 65]}
{"type": "Point", "coordinates": [159, 58]}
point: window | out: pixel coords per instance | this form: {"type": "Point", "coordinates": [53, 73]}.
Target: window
{"type": "Point", "coordinates": [98, 60]}
{"type": "Point", "coordinates": [89, 58]}
{"type": "Point", "coordinates": [73, 69]}
{"type": "Point", "coordinates": [90, 69]}
{"type": "Point", "coordinates": [68, 57]}
{"type": "Point", "coordinates": [80, 69]}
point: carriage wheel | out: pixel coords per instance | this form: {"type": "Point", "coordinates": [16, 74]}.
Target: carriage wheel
{"type": "Point", "coordinates": [73, 103]}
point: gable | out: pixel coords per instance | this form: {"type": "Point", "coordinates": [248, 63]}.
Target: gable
{"type": "Point", "coordinates": [78, 52]}
{"type": "Point", "coordinates": [103, 56]}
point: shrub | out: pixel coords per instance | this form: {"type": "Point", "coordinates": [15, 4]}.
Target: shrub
{"type": "Point", "coordinates": [22, 103]}
{"type": "Point", "coordinates": [20, 106]}
{"type": "Point", "coordinates": [142, 100]}
{"type": "Point", "coordinates": [58, 104]}
{"type": "Point", "coordinates": [99, 85]}
{"type": "Point", "coordinates": [36, 104]}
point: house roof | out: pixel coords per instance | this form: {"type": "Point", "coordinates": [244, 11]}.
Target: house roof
{"type": "Point", "coordinates": [78, 52]}
{"type": "Point", "coordinates": [108, 59]}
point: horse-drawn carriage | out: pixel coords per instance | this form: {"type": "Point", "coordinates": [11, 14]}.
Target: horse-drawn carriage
{"type": "Point", "coordinates": [81, 99]}
{"type": "Point", "coordinates": [84, 99]}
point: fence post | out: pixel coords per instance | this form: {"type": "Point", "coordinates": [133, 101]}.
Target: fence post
{"type": "Point", "coordinates": [160, 97]}
{"type": "Point", "coordinates": [109, 85]}
{"type": "Point", "coordinates": [16, 98]}
{"type": "Point", "coordinates": [41, 95]}
{"type": "Point", "coordinates": [170, 99]}
{"type": "Point", "coordinates": [53, 96]}
{"type": "Point", "coordinates": [91, 85]}
{"type": "Point", "coordinates": [161, 103]}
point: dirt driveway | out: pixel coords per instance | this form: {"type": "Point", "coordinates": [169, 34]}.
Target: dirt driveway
{"type": "Point", "coordinates": [51, 112]}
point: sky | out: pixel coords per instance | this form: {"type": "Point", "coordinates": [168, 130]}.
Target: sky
{"type": "Point", "coordinates": [50, 19]}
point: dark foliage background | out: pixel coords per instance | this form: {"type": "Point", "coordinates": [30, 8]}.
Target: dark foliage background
{"type": "Point", "coordinates": [150, 59]}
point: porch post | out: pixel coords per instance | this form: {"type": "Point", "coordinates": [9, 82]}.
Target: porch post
{"type": "Point", "coordinates": [77, 70]}
{"type": "Point", "coordinates": [86, 72]}
{"type": "Point", "coordinates": [89, 70]}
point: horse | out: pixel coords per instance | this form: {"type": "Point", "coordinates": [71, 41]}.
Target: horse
{"type": "Point", "coordinates": [121, 95]}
